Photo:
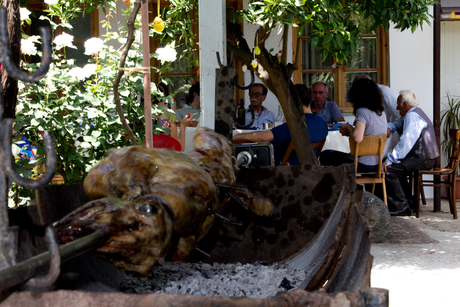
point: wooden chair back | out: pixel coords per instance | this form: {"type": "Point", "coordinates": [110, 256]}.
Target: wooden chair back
{"type": "Point", "coordinates": [318, 145]}
{"type": "Point", "coordinates": [448, 176]}
{"type": "Point", "coordinates": [454, 157]}
{"type": "Point", "coordinates": [370, 146]}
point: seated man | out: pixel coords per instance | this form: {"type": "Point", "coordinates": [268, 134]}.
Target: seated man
{"type": "Point", "coordinates": [280, 135]}
{"type": "Point", "coordinates": [417, 149]}
{"type": "Point", "coordinates": [262, 115]}
{"type": "Point", "coordinates": [328, 110]}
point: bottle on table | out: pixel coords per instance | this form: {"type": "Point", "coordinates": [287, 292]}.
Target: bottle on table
{"type": "Point", "coordinates": [280, 117]}
{"type": "Point", "coordinates": [241, 114]}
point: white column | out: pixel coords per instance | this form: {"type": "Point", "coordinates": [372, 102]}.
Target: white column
{"type": "Point", "coordinates": [213, 39]}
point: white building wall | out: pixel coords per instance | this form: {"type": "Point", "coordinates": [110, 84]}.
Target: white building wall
{"type": "Point", "coordinates": [411, 64]}
{"type": "Point", "coordinates": [411, 67]}
{"type": "Point", "coordinates": [450, 61]}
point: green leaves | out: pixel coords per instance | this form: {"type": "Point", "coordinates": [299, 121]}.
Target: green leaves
{"type": "Point", "coordinates": [336, 24]}
{"type": "Point", "coordinates": [81, 114]}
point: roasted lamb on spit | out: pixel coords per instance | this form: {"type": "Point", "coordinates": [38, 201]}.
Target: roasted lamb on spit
{"type": "Point", "coordinates": [156, 203]}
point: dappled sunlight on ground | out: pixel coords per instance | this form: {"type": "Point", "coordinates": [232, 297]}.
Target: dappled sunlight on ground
{"type": "Point", "coordinates": [422, 274]}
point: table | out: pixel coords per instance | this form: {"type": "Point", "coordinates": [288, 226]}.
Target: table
{"type": "Point", "coordinates": [238, 131]}
{"type": "Point", "coordinates": [335, 141]}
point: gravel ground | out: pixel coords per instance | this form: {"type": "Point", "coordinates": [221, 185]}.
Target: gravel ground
{"type": "Point", "coordinates": [422, 274]}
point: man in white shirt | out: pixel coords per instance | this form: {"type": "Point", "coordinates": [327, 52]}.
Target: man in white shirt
{"type": "Point", "coordinates": [417, 149]}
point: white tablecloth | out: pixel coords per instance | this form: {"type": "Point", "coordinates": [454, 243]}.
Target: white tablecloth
{"type": "Point", "coordinates": [335, 141]}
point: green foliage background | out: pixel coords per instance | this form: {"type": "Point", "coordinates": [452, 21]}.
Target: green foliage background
{"type": "Point", "coordinates": [80, 113]}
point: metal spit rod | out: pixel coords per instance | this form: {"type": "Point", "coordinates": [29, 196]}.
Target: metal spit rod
{"type": "Point", "coordinates": [29, 268]}
{"type": "Point", "coordinates": [244, 158]}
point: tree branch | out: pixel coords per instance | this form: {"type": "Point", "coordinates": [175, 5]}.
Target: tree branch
{"type": "Point", "coordinates": [285, 45]}
{"type": "Point", "coordinates": [261, 35]}
{"type": "Point", "coordinates": [10, 85]}
{"type": "Point", "coordinates": [116, 83]}
{"type": "Point", "coordinates": [275, 78]}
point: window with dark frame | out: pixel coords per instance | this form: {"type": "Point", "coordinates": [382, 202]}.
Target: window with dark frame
{"type": "Point", "coordinates": [369, 59]}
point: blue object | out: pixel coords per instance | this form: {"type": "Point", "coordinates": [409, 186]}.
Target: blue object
{"type": "Point", "coordinates": [336, 126]}
{"type": "Point", "coordinates": [26, 151]}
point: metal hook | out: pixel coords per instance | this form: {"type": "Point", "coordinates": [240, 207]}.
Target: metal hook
{"type": "Point", "coordinates": [242, 87]}
{"type": "Point", "coordinates": [5, 56]}
{"type": "Point", "coordinates": [11, 170]}
{"type": "Point", "coordinates": [235, 78]}
{"type": "Point", "coordinates": [220, 63]}
{"type": "Point", "coordinates": [55, 265]}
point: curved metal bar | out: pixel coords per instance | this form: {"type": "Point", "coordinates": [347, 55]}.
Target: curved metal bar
{"type": "Point", "coordinates": [50, 160]}
{"type": "Point", "coordinates": [55, 265]}
{"type": "Point", "coordinates": [30, 267]}
{"type": "Point", "coordinates": [13, 71]}
{"type": "Point", "coordinates": [218, 60]}
{"type": "Point", "coordinates": [220, 63]}
{"type": "Point", "coordinates": [244, 126]}
{"type": "Point", "coordinates": [242, 87]}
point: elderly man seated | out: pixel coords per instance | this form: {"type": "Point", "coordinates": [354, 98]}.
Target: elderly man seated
{"type": "Point", "coordinates": [417, 149]}
{"type": "Point", "coordinates": [280, 135]}
{"type": "Point", "coordinates": [328, 110]}
{"type": "Point", "coordinates": [262, 115]}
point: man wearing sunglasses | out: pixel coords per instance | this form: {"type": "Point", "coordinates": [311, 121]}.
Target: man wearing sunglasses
{"type": "Point", "coordinates": [257, 95]}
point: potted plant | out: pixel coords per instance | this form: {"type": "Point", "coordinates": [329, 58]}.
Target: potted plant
{"type": "Point", "coordinates": [450, 119]}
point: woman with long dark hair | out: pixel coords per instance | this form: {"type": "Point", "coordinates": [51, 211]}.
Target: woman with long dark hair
{"type": "Point", "coordinates": [370, 120]}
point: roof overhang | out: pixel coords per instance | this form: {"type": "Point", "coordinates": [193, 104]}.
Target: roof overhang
{"type": "Point", "coordinates": [450, 9]}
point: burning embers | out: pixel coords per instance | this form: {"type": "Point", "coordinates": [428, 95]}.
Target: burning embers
{"type": "Point", "coordinates": [155, 203]}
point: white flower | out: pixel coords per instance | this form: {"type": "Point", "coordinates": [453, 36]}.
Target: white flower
{"type": "Point", "coordinates": [63, 40]}
{"type": "Point", "coordinates": [133, 54]}
{"type": "Point", "coordinates": [83, 73]}
{"type": "Point", "coordinates": [78, 72]}
{"type": "Point", "coordinates": [48, 81]}
{"type": "Point", "coordinates": [93, 45]}
{"type": "Point", "coordinates": [28, 45]}
{"type": "Point", "coordinates": [51, 2]}
{"type": "Point", "coordinates": [24, 13]}
{"type": "Point", "coordinates": [166, 54]}
{"type": "Point", "coordinates": [90, 69]}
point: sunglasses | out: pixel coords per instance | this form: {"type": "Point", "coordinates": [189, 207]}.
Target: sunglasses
{"type": "Point", "coordinates": [255, 94]}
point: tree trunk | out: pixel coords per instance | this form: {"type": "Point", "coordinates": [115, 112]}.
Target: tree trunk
{"type": "Point", "coordinates": [10, 86]}
{"type": "Point", "coordinates": [275, 78]}
{"type": "Point", "coordinates": [278, 80]}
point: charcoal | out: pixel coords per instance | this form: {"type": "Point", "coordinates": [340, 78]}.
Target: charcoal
{"type": "Point", "coordinates": [232, 280]}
